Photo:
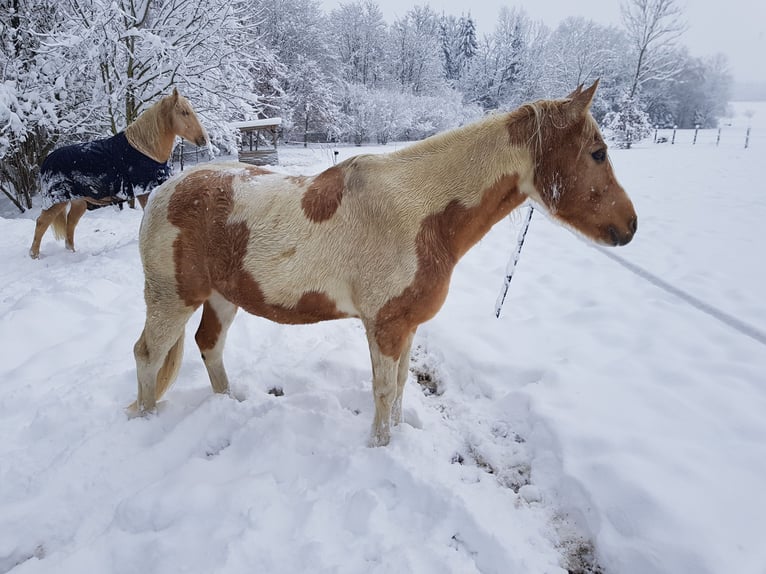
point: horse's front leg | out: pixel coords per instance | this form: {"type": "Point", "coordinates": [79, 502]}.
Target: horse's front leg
{"type": "Point", "coordinates": [403, 371]}
{"type": "Point", "coordinates": [385, 374]}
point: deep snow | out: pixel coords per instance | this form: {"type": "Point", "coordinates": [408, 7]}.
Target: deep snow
{"type": "Point", "coordinates": [599, 409]}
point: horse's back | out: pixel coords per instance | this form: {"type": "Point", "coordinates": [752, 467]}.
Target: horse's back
{"type": "Point", "coordinates": [270, 242]}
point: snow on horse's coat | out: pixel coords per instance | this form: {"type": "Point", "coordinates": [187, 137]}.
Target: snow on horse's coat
{"type": "Point", "coordinates": [375, 237]}
{"type": "Point", "coordinates": [104, 171]}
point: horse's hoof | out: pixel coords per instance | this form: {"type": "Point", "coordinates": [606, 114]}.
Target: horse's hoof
{"type": "Point", "coordinates": [134, 412]}
{"type": "Point", "coordinates": [34, 254]}
{"type": "Point", "coordinates": [379, 439]}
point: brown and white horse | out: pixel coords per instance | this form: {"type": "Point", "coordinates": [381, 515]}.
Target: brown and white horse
{"type": "Point", "coordinates": [375, 237]}
{"type": "Point", "coordinates": [112, 170]}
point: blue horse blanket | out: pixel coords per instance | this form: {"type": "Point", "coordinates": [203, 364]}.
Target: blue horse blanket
{"type": "Point", "coordinates": [103, 172]}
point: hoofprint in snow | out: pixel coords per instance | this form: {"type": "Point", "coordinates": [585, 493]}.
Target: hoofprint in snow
{"type": "Point", "coordinates": [598, 410]}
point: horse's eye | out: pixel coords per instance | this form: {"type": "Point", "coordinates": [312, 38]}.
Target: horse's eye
{"type": "Point", "coordinates": [599, 155]}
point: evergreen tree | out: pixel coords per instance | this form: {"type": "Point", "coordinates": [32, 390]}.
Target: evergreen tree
{"type": "Point", "coordinates": [627, 123]}
{"type": "Point", "coordinates": [458, 45]}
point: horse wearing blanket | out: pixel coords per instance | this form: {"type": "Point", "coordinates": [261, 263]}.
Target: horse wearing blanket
{"type": "Point", "coordinates": [375, 237]}
{"type": "Point", "coordinates": [112, 170]}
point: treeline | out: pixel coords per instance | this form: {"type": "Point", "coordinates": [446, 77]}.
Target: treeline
{"type": "Point", "coordinates": [86, 68]}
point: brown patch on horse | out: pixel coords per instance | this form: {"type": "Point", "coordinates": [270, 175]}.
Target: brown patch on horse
{"type": "Point", "coordinates": [200, 207]}
{"type": "Point", "coordinates": [209, 328]}
{"type": "Point", "coordinates": [443, 238]}
{"type": "Point", "coordinates": [209, 253]}
{"type": "Point", "coordinates": [322, 199]}
{"type": "Point", "coordinates": [312, 307]}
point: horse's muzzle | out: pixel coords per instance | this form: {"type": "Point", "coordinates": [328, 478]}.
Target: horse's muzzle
{"type": "Point", "coordinates": [624, 237]}
{"type": "Point", "coordinates": [200, 141]}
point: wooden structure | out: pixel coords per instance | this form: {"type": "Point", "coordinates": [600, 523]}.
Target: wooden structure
{"type": "Point", "coordinates": [258, 141]}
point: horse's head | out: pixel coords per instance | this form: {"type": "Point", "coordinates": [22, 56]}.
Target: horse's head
{"type": "Point", "coordinates": [574, 179]}
{"type": "Point", "coordinates": [183, 120]}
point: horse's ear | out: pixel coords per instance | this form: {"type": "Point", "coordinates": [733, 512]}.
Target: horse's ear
{"type": "Point", "coordinates": [575, 93]}
{"type": "Point", "coordinates": [581, 100]}
{"type": "Point", "coordinates": [174, 95]}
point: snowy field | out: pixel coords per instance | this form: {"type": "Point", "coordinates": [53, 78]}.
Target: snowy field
{"type": "Point", "coordinates": [599, 414]}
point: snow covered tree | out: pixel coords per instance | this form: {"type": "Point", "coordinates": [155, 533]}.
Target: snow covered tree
{"type": "Point", "coordinates": [627, 123]}
{"type": "Point", "coordinates": [392, 114]}
{"type": "Point", "coordinates": [358, 111]}
{"type": "Point", "coordinates": [311, 100]}
{"type": "Point", "coordinates": [136, 50]}
{"type": "Point", "coordinates": [507, 69]}
{"type": "Point", "coordinates": [458, 45]}
{"type": "Point", "coordinates": [653, 27]}
{"type": "Point", "coordinates": [29, 90]}
{"type": "Point", "coordinates": [437, 112]}
{"type": "Point", "coordinates": [700, 92]}
{"type": "Point", "coordinates": [360, 36]}
{"type": "Point", "coordinates": [296, 30]}
{"type": "Point", "coordinates": [579, 51]}
{"type": "Point", "coordinates": [415, 51]}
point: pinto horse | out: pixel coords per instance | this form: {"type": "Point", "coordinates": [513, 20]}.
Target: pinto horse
{"type": "Point", "coordinates": [374, 237]}
{"type": "Point", "coordinates": [112, 170]}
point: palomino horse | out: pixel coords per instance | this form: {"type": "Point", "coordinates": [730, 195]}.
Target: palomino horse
{"type": "Point", "coordinates": [375, 237]}
{"type": "Point", "coordinates": [114, 169]}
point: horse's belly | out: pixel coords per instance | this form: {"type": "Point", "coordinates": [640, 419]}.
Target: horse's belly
{"type": "Point", "coordinates": [311, 306]}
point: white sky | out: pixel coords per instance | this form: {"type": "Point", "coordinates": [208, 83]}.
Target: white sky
{"type": "Point", "coordinates": [736, 28]}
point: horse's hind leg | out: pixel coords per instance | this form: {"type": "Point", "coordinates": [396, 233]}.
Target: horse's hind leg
{"type": "Point", "coordinates": [217, 316]}
{"type": "Point", "coordinates": [47, 216]}
{"type": "Point", "coordinates": [159, 349]}
{"type": "Point", "coordinates": [76, 211]}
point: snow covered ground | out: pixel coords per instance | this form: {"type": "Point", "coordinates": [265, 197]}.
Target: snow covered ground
{"type": "Point", "coordinates": [599, 412]}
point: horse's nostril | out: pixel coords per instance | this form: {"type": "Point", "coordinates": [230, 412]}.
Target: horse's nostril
{"type": "Point", "coordinates": [614, 235]}
{"type": "Point", "coordinates": [633, 224]}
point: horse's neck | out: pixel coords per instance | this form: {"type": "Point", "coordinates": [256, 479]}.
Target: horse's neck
{"type": "Point", "coordinates": [460, 166]}
{"type": "Point", "coordinates": [151, 137]}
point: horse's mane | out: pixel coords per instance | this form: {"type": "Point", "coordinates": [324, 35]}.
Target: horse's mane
{"type": "Point", "coordinates": [146, 133]}
{"type": "Point", "coordinates": [541, 119]}
{"type": "Point", "coordinates": [527, 127]}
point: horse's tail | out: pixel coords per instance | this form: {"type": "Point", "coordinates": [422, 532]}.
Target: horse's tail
{"type": "Point", "coordinates": [168, 372]}
{"type": "Point", "coordinates": [59, 225]}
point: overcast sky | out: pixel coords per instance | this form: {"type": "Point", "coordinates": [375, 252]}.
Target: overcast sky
{"type": "Point", "coordinates": [736, 28]}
